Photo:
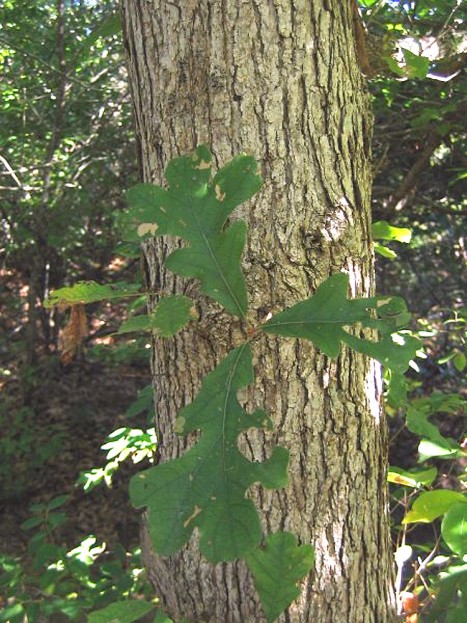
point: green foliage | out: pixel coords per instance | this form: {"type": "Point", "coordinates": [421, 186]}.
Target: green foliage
{"type": "Point", "coordinates": [205, 488]}
{"type": "Point", "coordinates": [122, 444]}
{"type": "Point", "coordinates": [447, 605]}
{"type": "Point", "coordinates": [196, 209]}
{"type": "Point", "coordinates": [457, 353]}
{"type": "Point", "coordinates": [382, 230]}
{"type": "Point", "coordinates": [128, 352]}
{"type": "Point", "coordinates": [443, 574]}
{"type": "Point", "coordinates": [449, 587]}
{"type": "Point", "coordinates": [63, 203]}
{"type": "Point", "coordinates": [58, 218]}
{"type": "Point", "coordinates": [24, 447]}
{"type": "Point", "coordinates": [433, 443]}
{"type": "Point", "coordinates": [454, 528]}
{"type": "Point", "coordinates": [415, 478]}
{"type": "Point", "coordinates": [66, 146]}
{"type": "Point", "coordinates": [416, 66]}
{"type": "Point", "coordinates": [276, 568]}
{"type": "Point", "coordinates": [109, 26]}
{"type": "Point", "coordinates": [121, 612]}
{"type": "Point", "coordinates": [66, 583]}
{"type": "Point", "coordinates": [144, 402]}
{"type": "Point", "coordinates": [162, 618]}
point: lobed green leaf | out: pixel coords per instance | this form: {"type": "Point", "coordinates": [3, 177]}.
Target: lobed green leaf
{"type": "Point", "coordinates": [322, 318]}
{"type": "Point", "coordinates": [206, 487]}
{"type": "Point", "coordinates": [276, 569]}
{"type": "Point", "coordinates": [196, 209]}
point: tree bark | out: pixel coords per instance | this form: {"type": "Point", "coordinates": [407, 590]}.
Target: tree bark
{"type": "Point", "coordinates": [278, 79]}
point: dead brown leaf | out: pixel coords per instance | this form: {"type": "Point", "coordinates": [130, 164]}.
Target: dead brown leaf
{"type": "Point", "coordinates": [73, 333]}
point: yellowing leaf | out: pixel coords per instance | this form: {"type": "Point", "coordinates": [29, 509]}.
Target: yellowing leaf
{"type": "Point", "coordinates": [90, 292]}
{"type": "Point", "coordinates": [413, 478]}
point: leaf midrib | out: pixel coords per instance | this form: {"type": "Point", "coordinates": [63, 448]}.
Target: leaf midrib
{"type": "Point", "coordinates": [213, 257]}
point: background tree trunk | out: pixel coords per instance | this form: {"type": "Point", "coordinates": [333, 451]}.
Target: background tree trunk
{"type": "Point", "coordinates": [279, 80]}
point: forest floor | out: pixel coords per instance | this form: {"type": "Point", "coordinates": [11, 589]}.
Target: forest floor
{"type": "Point", "coordinates": [73, 409]}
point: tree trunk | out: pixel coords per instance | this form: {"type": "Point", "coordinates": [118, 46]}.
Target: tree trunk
{"type": "Point", "coordinates": [278, 79]}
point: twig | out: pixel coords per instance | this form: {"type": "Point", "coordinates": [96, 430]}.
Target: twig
{"type": "Point", "coordinates": [11, 171]}
{"type": "Point", "coordinates": [411, 178]}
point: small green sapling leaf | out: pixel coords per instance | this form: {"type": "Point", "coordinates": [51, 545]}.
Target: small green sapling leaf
{"type": "Point", "coordinates": [322, 318]}
{"type": "Point", "coordinates": [451, 581]}
{"type": "Point", "coordinates": [195, 209]}
{"type": "Point", "coordinates": [205, 488]}
{"type": "Point", "coordinates": [276, 569]}
{"type": "Point", "coordinates": [384, 251]}
{"type": "Point", "coordinates": [171, 314]}
{"type": "Point", "coordinates": [382, 230]}
{"type": "Point", "coordinates": [161, 617]}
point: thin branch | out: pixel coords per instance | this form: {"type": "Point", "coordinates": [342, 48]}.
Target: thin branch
{"type": "Point", "coordinates": [39, 60]}
{"type": "Point", "coordinates": [61, 91]}
{"type": "Point", "coordinates": [24, 188]}
{"type": "Point", "coordinates": [10, 170]}
{"type": "Point", "coordinates": [410, 180]}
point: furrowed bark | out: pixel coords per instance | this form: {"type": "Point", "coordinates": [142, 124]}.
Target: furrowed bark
{"type": "Point", "coordinates": [279, 80]}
